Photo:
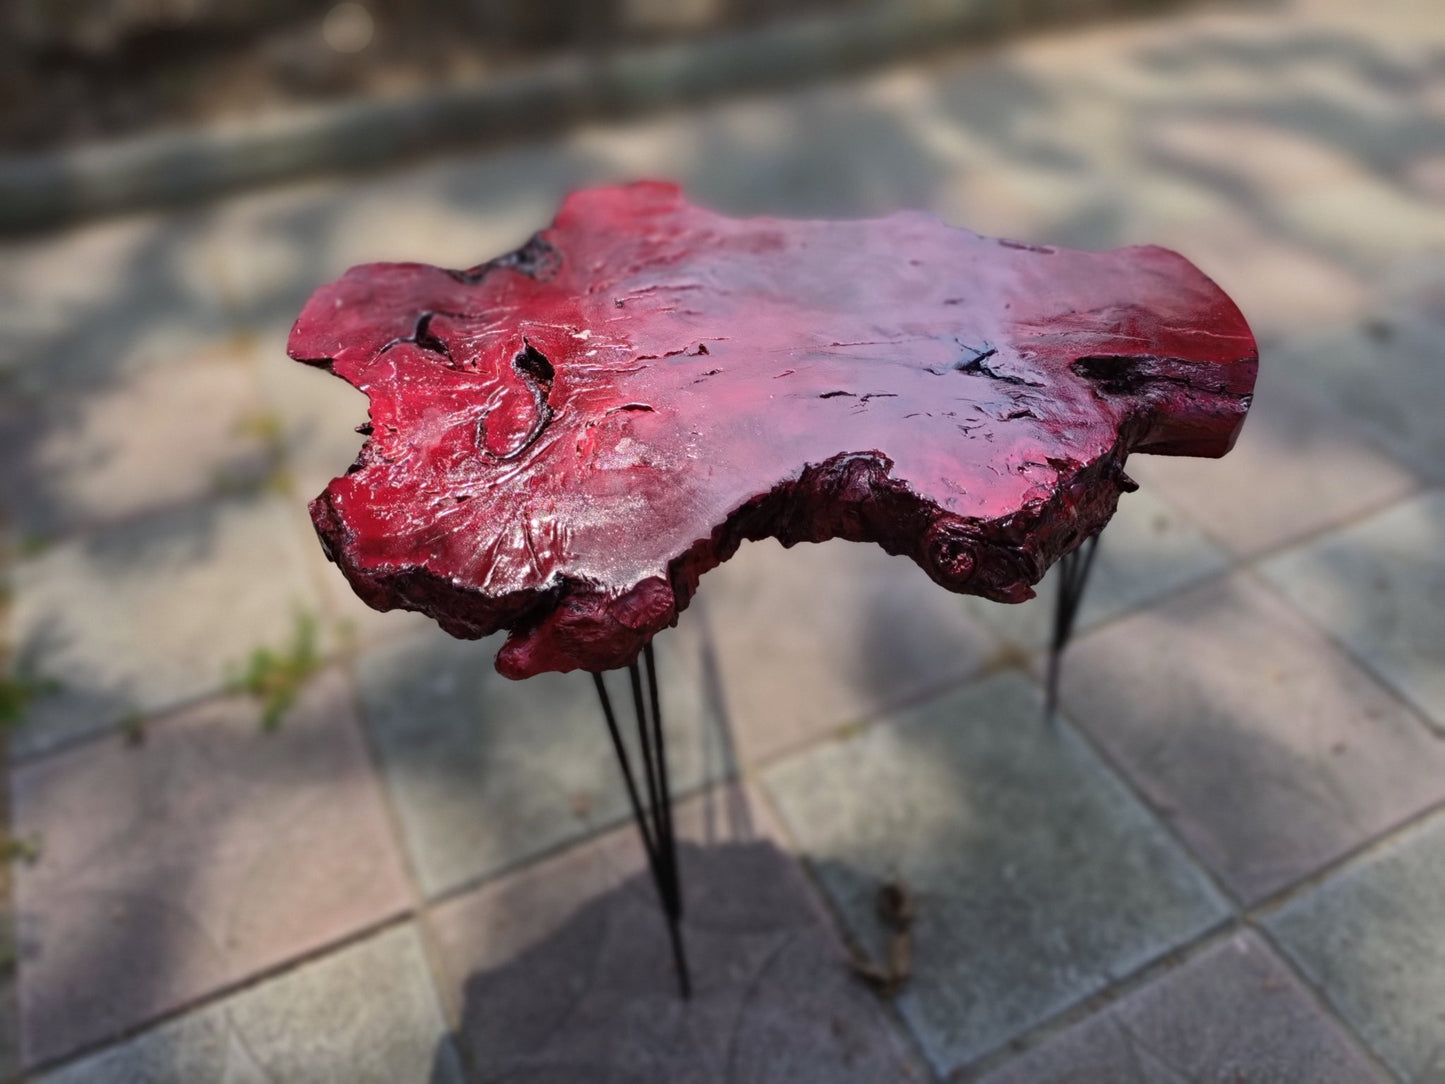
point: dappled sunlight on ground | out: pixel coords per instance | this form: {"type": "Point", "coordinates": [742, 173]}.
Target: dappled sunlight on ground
{"type": "Point", "coordinates": [1253, 714]}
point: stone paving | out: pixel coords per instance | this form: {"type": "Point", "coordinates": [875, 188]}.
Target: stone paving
{"type": "Point", "coordinates": [1223, 862]}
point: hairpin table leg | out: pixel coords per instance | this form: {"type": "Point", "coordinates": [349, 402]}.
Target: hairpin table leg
{"type": "Point", "coordinates": [654, 823]}
{"type": "Point", "coordinates": [1074, 568]}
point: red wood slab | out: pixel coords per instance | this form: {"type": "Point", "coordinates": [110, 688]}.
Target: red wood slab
{"type": "Point", "coordinates": [563, 440]}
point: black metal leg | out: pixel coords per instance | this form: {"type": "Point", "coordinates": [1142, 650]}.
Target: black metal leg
{"type": "Point", "coordinates": [664, 782]}
{"type": "Point", "coordinates": [1074, 568]}
{"type": "Point", "coordinates": [654, 823]}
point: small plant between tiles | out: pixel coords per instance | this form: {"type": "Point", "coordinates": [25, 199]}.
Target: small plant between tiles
{"type": "Point", "coordinates": [275, 677]}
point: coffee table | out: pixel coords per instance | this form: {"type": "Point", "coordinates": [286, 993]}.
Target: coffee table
{"type": "Point", "coordinates": [564, 440]}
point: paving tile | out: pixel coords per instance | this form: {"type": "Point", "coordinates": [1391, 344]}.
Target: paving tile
{"type": "Point", "coordinates": [818, 636]}
{"type": "Point", "coordinates": [210, 852]}
{"type": "Point", "coordinates": [1147, 550]}
{"type": "Point", "coordinates": [1038, 878]}
{"type": "Point", "coordinates": [368, 1013]}
{"type": "Point", "coordinates": [148, 614]}
{"type": "Point", "coordinates": [1379, 587]}
{"type": "Point", "coordinates": [169, 433]}
{"type": "Point", "coordinates": [1372, 939]}
{"type": "Point", "coordinates": [1416, 287]}
{"type": "Point", "coordinates": [80, 308]}
{"type": "Point", "coordinates": [562, 970]}
{"type": "Point", "coordinates": [1297, 468]}
{"type": "Point", "coordinates": [276, 246]}
{"type": "Point", "coordinates": [1261, 155]}
{"type": "Point", "coordinates": [1366, 221]}
{"type": "Point", "coordinates": [1317, 190]}
{"type": "Point", "coordinates": [1267, 748]}
{"type": "Point", "coordinates": [488, 772]}
{"type": "Point", "coordinates": [1281, 282]}
{"type": "Point", "coordinates": [1385, 374]}
{"type": "Point", "coordinates": [1235, 1013]}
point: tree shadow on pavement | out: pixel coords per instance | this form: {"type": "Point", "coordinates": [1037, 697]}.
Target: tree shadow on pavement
{"type": "Point", "coordinates": [594, 999]}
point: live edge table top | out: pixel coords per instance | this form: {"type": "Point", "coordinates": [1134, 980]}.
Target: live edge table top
{"type": "Point", "coordinates": [564, 439]}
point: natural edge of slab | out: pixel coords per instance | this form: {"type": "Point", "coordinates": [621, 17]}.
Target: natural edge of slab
{"type": "Point", "coordinates": [574, 625]}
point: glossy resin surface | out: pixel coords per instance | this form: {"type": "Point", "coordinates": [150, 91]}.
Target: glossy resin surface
{"type": "Point", "coordinates": [563, 440]}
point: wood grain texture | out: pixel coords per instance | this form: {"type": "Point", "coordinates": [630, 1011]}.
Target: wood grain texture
{"type": "Point", "coordinates": [564, 439]}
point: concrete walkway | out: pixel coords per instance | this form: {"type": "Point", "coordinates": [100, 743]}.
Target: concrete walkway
{"type": "Point", "coordinates": [1226, 863]}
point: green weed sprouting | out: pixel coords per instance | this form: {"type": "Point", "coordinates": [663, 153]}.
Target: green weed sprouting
{"type": "Point", "coordinates": [17, 692]}
{"type": "Point", "coordinates": [133, 728]}
{"type": "Point", "coordinates": [20, 849]}
{"type": "Point", "coordinates": [276, 678]}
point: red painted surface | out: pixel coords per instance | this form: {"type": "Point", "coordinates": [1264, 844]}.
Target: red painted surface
{"type": "Point", "coordinates": [563, 440]}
